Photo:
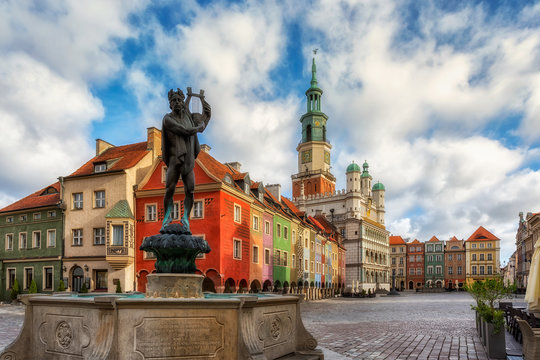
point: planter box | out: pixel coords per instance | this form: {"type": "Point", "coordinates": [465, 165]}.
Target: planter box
{"type": "Point", "coordinates": [482, 331]}
{"type": "Point", "coordinates": [496, 343]}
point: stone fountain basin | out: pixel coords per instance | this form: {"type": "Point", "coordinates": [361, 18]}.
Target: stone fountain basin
{"type": "Point", "coordinates": [133, 327]}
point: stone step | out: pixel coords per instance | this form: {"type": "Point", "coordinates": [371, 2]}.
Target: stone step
{"type": "Point", "coordinates": [299, 357]}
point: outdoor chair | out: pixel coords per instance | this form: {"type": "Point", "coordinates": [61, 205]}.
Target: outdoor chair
{"type": "Point", "coordinates": [531, 340]}
{"type": "Point", "coordinates": [506, 307]}
{"type": "Point", "coordinates": [514, 327]}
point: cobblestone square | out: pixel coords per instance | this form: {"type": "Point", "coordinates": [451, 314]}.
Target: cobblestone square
{"type": "Point", "coordinates": [410, 326]}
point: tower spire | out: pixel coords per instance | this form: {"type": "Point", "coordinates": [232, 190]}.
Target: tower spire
{"type": "Point", "coordinates": [314, 71]}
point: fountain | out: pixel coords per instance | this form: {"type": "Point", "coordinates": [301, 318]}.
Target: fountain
{"type": "Point", "coordinates": [174, 319]}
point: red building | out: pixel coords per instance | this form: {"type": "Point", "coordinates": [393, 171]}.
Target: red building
{"type": "Point", "coordinates": [455, 264]}
{"type": "Point", "coordinates": [415, 265]}
{"type": "Point", "coordinates": [221, 214]}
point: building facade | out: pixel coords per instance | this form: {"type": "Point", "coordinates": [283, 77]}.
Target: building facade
{"type": "Point", "coordinates": [398, 261]}
{"type": "Point", "coordinates": [99, 249]}
{"type": "Point", "coordinates": [482, 252]}
{"type": "Point", "coordinates": [31, 238]}
{"type": "Point", "coordinates": [415, 265]}
{"type": "Point", "coordinates": [455, 265]}
{"type": "Point", "coordinates": [434, 263]}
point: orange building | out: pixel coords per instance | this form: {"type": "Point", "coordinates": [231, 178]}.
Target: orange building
{"type": "Point", "coordinates": [415, 265]}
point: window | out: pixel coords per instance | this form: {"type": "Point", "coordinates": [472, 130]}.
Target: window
{"type": "Point", "coordinates": [430, 248]}
{"type": "Point", "coordinates": [430, 258]}
{"type": "Point", "coordinates": [285, 258]}
{"type": "Point", "coordinates": [450, 270]}
{"type": "Point", "coordinates": [22, 241]}
{"type": "Point", "coordinates": [99, 197]}
{"type": "Point", "coordinates": [277, 258]}
{"type": "Point", "coordinates": [438, 257]}
{"type": "Point", "coordinates": [490, 270]}
{"type": "Point", "coordinates": [481, 245]}
{"type": "Point", "coordinates": [28, 277]}
{"type": "Point", "coordinates": [237, 249]}
{"type": "Point", "coordinates": [23, 217]}
{"type": "Point", "coordinates": [449, 257]}
{"type": "Point", "coordinates": [9, 219]}
{"type": "Point", "coordinates": [312, 267]}
{"type": "Point", "coordinates": [99, 236]}
{"type": "Point", "coordinates": [101, 280]}
{"type": "Point", "coordinates": [400, 272]}
{"type": "Point", "coordinates": [266, 256]}
{"type": "Point", "coordinates": [401, 260]}
{"type": "Point", "coordinates": [306, 265]}
{"type": "Point", "coordinates": [489, 245]}
{"type": "Point", "coordinates": [267, 227]}
{"type": "Point", "coordinates": [149, 255]}
{"type": "Point", "coordinates": [411, 271]}
{"type": "Point", "coordinates": [418, 271]}
{"type": "Point", "coordinates": [77, 201]}
{"type": "Point", "coordinates": [312, 246]}
{"type": "Point", "coordinates": [293, 237]}
{"type": "Point", "coordinates": [51, 238]}
{"type": "Point", "coordinates": [256, 221]}
{"type": "Point", "coordinates": [411, 258]}
{"type": "Point", "coordinates": [481, 257]}
{"type": "Point", "coordinates": [393, 261]}
{"type": "Point", "coordinates": [37, 216]}
{"type": "Point", "coordinates": [459, 270]}
{"type": "Point", "coordinates": [401, 249]}
{"type": "Point", "coordinates": [459, 257]}
{"type": "Point", "coordinates": [474, 257]}
{"type": "Point", "coordinates": [393, 249]}
{"type": "Point", "coordinates": [118, 235]}
{"type": "Point", "coordinates": [164, 174]}
{"type": "Point", "coordinates": [430, 270]}
{"type": "Point", "coordinates": [151, 212]}
{"type": "Point", "coordinates": [473, 246]}
{"type": "Point", "coordinates": [474, 270]}
{"type": "Point", "coordinates": [342, 232]}
{"type": "Point", "coordinates": [482, 270]}
{"type": "Point", "coordinates": [438, 270]}
{"type": "Point", "coordinates": [48, 278]}
{"type": "Point", "coordinates": [175, 213]}
{"type": "Point", "coordinates": [9, 241]}
{"type": "Point", "coordinates": [255, 258]}
{"type": "Point", "coordinates": [418, 257]}
{"type": "Point", "coordinates": [77, 237]}
{"type": "Point", "coordinates": [490, 256]}
{"type": "Point", "coordinates": [10, 278]}
{"type": "Point", "coordinates": [51, 213]}
{"type": "Point", "coordinates": [36, 239]}
{"type": "Point", "coordinates": [237, 213]}
{"type": "Point", "coordinates": [100, 168]}
{"type": "Point", "coordinates": [285, 232]}
{"type": "Point", "coordinates": [197, 210]}
{"type": "Point", "coordinates": [293, 262]}
{"type": "Point", "coordinates": [278, 230]}
{"type": "Point", "coordinates": [438, 248]}
{"type": "Point", "coordinates": [418, 248]}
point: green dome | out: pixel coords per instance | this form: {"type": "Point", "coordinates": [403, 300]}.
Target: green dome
{"type": "Point", "coordinates": [378, 186]}
{"type": "Point", "coordinates": [365, 173]}
{"type": "Point", "coordinates": [353, 167]}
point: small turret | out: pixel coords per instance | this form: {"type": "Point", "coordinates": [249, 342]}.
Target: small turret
{"type": "Point", "coordinates": [365, 184]}
{"type": "Point", "coordinates": [353, 177]}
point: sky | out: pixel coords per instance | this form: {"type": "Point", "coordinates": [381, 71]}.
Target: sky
{"type": "Point", "coordinates": [442, 98]}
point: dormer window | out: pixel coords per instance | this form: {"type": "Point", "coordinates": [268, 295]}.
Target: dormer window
{"type": "Point", "coordinates": [246, 188]}
{"type": "Point", "coordinates": [228, 179]}
{"type": "Point", "coordinates": [101, 167]}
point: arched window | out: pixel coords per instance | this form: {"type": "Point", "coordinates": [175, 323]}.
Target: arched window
{"type": "Point", "coordinates": [308, 133]}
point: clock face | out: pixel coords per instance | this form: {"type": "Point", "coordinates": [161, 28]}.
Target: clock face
{"type": "Point", "coordinates": [306, 156]}
{"type": "Point", "coordinates": [327, 157]}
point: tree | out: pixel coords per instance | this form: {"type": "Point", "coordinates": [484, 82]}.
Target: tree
{"type": "Point", "coordinates": [84, 289]}
{"type": "Point", "coordinates": [118, 287]}
{"type": "Point", "coordinates": [33, 287]}
{"type": "Point", "coordinates": [14, 290]}
{"type": "Point", "coordinates": [61, 285]}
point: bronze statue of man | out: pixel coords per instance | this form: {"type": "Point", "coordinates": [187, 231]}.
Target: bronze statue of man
{"type": "Point", "coordinates": [180, 148]}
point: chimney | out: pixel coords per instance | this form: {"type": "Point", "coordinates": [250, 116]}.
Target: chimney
{"type": "Point", "coordinates": [235, 165]}
{"type": "Point", "coordinates": [275, 189]}
{"type": "Point", "coordinates": [153, 141]}
{"type": "Point", "coordinates": [206, 148]}
{"type": "Point", "coordinates": [101, 146]}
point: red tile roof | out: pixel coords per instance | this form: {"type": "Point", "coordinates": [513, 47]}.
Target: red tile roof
{"type": "Point", "coordinates": [396, 240]}
{"type": "Point", "coordinates": [316, 223]}
{"type": "Point", "coordinates": [415, 242]}
{"type": "Point", "coordinates": [481, 234]}
{"type": "Point", "coordinates": [454, 238]}
{"type": "Point", "coordinates": [40, 198]}
{"type": "Point", "coordinates": [127, 155]}
{"type": "Point", "coordinates": [433, 239]}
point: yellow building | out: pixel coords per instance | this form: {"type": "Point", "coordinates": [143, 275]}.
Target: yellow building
{"type": "Point", "coordinates": [482, 254]}
{"type": "Point", "coordinates": [398, 260]}
{"type": "Point", "coordinates": [99, 223]}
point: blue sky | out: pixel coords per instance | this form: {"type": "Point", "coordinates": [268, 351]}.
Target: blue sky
{"type": "Point", "coordinates": [442, 98]}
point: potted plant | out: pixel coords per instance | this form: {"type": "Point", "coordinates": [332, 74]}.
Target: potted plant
{"type": "Point", "coordinates": [14, 290]}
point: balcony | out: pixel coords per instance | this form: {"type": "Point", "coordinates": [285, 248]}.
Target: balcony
{"type": "Point", "coordinates": [119, 256]}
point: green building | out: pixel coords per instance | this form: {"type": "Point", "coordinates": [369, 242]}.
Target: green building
{"type": "Point", "coordinates": [31, 242]}
{"type": "Point", "coordinates": [434, 263]}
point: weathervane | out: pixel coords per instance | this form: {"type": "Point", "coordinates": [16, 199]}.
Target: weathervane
{"type": "Point", "coordinates": [315, 51]}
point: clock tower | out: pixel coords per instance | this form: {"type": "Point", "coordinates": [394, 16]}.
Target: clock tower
{"type": "Point", "coordinates": [313, 175]}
